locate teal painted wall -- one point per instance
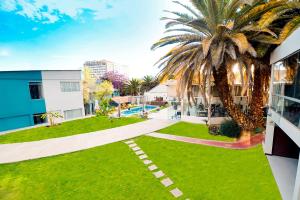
(16, 106)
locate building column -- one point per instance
(296, 195)
(268, 143)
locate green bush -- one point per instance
(213, 130)
(104, 108)
(230, 128)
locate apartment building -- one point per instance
(26, 95)
(282, 142)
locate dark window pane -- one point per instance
(292, 78)
(291, 112)
(35, 89)
(38, 120)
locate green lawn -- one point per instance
(193, 130)
(108, 172)
(210, 173)
(67, 129)
(114, 172)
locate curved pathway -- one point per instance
(16, 152)
(255, 140)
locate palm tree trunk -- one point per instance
(221, 81)
(256, 103)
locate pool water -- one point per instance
(137, 110)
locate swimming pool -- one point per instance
(137, 110)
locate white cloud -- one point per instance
(8, 5)
(50, 11)
(35, 28)
(4, 53)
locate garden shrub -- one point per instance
(230, 128)
(213, 130)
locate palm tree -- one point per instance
(133, 86)
(148, 83)
(216, 34)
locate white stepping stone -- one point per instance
(147, 162)
(152, 167)
(176, 192)
(136, 148)
(129, 142)
(132, 145)
(158, 174)
(167, 182)
(139, 152)
(143, 156)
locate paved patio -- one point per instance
(16, 152)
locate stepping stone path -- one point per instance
(136, 148)
(143, 156)
(132, 145)
(129, 142)
(176, 192)
(167, 182)
(147, 162)
(152, 167)
(158, 174)
(139, 152)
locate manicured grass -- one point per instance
(108, 172)
(67, 129)
(193, 130)
(114, 172)
(203, 172)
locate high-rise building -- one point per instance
(99, 68)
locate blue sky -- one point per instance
(52, 34)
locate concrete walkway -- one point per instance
(255, 140)
(16, 152)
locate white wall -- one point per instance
(152, 96)
(55, 99)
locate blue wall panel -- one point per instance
(16, 105)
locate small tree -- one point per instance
(51, 116)
(103, 93)
(118, 80)
(104, 107)
(104, 90)
(88, 85)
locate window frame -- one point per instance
(70, 87)
(41, 90)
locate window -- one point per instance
(70, 86)
(286, 81)
(38, 120)
(35, 89)
(71, 114)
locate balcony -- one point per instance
(287, 107)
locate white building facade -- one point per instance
(282, 142)
(62, 92)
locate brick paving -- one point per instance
(254, 141)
